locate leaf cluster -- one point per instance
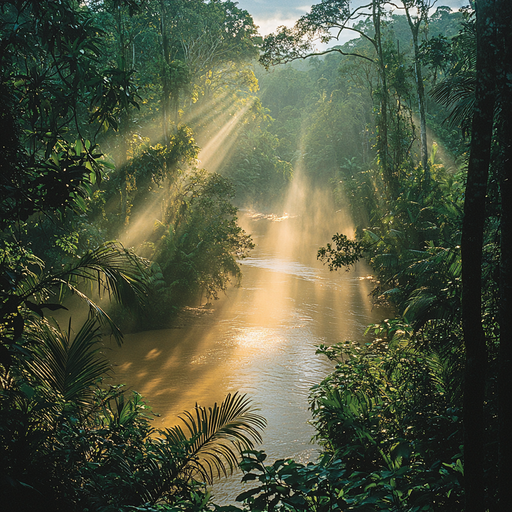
(345, 252)
(49, 77)
(286, 485)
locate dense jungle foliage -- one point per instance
(109, 108)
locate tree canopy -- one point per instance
(108, 111)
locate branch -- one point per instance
(341, 52)
(290, 44)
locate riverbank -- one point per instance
(192, 316)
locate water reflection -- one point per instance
(261, 338)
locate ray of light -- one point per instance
(205, 111)
(142, 224)
(218, 148)
(213, 154)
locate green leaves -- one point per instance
(216, 436)
(345, 253)
(65, 365)
(286, 485)
(24, 293)
(51, 77)
(325, 15)
(197, 246)
(114, 93)
(284, 46)
(386, 413)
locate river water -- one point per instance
(259, 339)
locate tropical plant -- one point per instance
(24, 291)
(213, 433)
(66, 369)
(287, 485)
(392, 407)
(112, 459)
(195, 249)
(456, 90)
(46, 375)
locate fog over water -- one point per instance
(260, 338)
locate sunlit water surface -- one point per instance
(260, 339)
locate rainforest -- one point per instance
(254, 268)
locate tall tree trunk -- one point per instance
(124, 121)
(471, 247)
(388, 170)
(423, 120)
(166, 86)
(504, 73)
(123, 190)
(420, 89)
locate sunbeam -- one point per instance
(214, 153)
(142, 224)
(205, 111)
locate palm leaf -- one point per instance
(458, 94)
(217, 435)
(68, 367)
(114, 270)
(434, 297)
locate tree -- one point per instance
(422, 11)
(327, 21)
(471, 249)
(198, 243)
(198, 39)
(49, 77)
(504, 85)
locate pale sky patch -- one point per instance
(268, 25)
(270, 14)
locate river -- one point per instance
(260, 338)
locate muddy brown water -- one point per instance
(259, 339)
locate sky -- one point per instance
(269, 14)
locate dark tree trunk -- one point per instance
(420, 90)
(388, 170)
(471, 247)
(124, 120)
(423, 115)
(504, 73)
(166, 86)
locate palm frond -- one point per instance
(458, 94)
(114, 270)
(98, 313)
(217, 435)
(65, 366)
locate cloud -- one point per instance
(270, 14)
(266, 25)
